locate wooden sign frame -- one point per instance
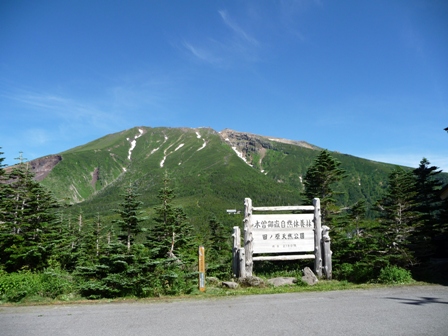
(282, 233)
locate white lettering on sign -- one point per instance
(282, 233)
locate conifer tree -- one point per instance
(443, 229)
(90, 243)
(28, 221)
(319, 181)
(219, 236)
(2, 171)
(130, 213)
(3, 178)
(398, 218)
(118, 267)
(429, 204)
(354, 244)
(3, 210)
(219, 252)
(171, 234)
(66, 242)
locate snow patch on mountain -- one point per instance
(134, 143)
(165, 153)
(156, 149)
(203, 146)
(240, 154)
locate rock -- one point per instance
(252, 281)
(309, 277)
(212, 280)
(230, 284)
(41, 167)
(282, 281)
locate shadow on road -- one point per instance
(418, 302)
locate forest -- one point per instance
(48, 248)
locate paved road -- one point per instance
(407, 311)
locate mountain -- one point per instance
(210, 171)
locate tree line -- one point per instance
(410, 226)
(105, 259)
(123, 257)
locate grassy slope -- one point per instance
(207, 181)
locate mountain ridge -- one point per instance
(211, 170)
(43, 165)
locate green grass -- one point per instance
(211, 292)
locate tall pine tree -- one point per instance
(398, 218)
(319, 181)
(29, 222)
(429, 205)
(218, 250)
(131, 217)
(171, 234)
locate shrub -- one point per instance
(395, 275)
(357, 272)
(14, 287)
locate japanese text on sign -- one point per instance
(282, 233)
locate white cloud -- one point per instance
(235, 44)
(66, 109)
(204, 54)
(240, 33)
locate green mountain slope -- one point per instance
(210, 171)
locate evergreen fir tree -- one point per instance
(130, 217)
(66, 242)
(2, 171)
(219, 250)
(441, 241)
(118, 273)
(354, 244)
(398, 218)
(219, 237)
(92, 242)
(319, 181)
(28, 221)
(429, 205)
(3, 208)
(171, 234)
(357, 216)
(3, 186)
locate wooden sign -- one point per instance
(282, 233)
(279, 235)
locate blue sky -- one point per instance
(366, 78)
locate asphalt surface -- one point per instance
(421, 310)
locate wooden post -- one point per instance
(235, 251)
(327, 252)
(242, 263)
(248, 239)
(201, 269)
(317, 238)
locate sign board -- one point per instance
(277, 234)
(285, 234)
(282, 233)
